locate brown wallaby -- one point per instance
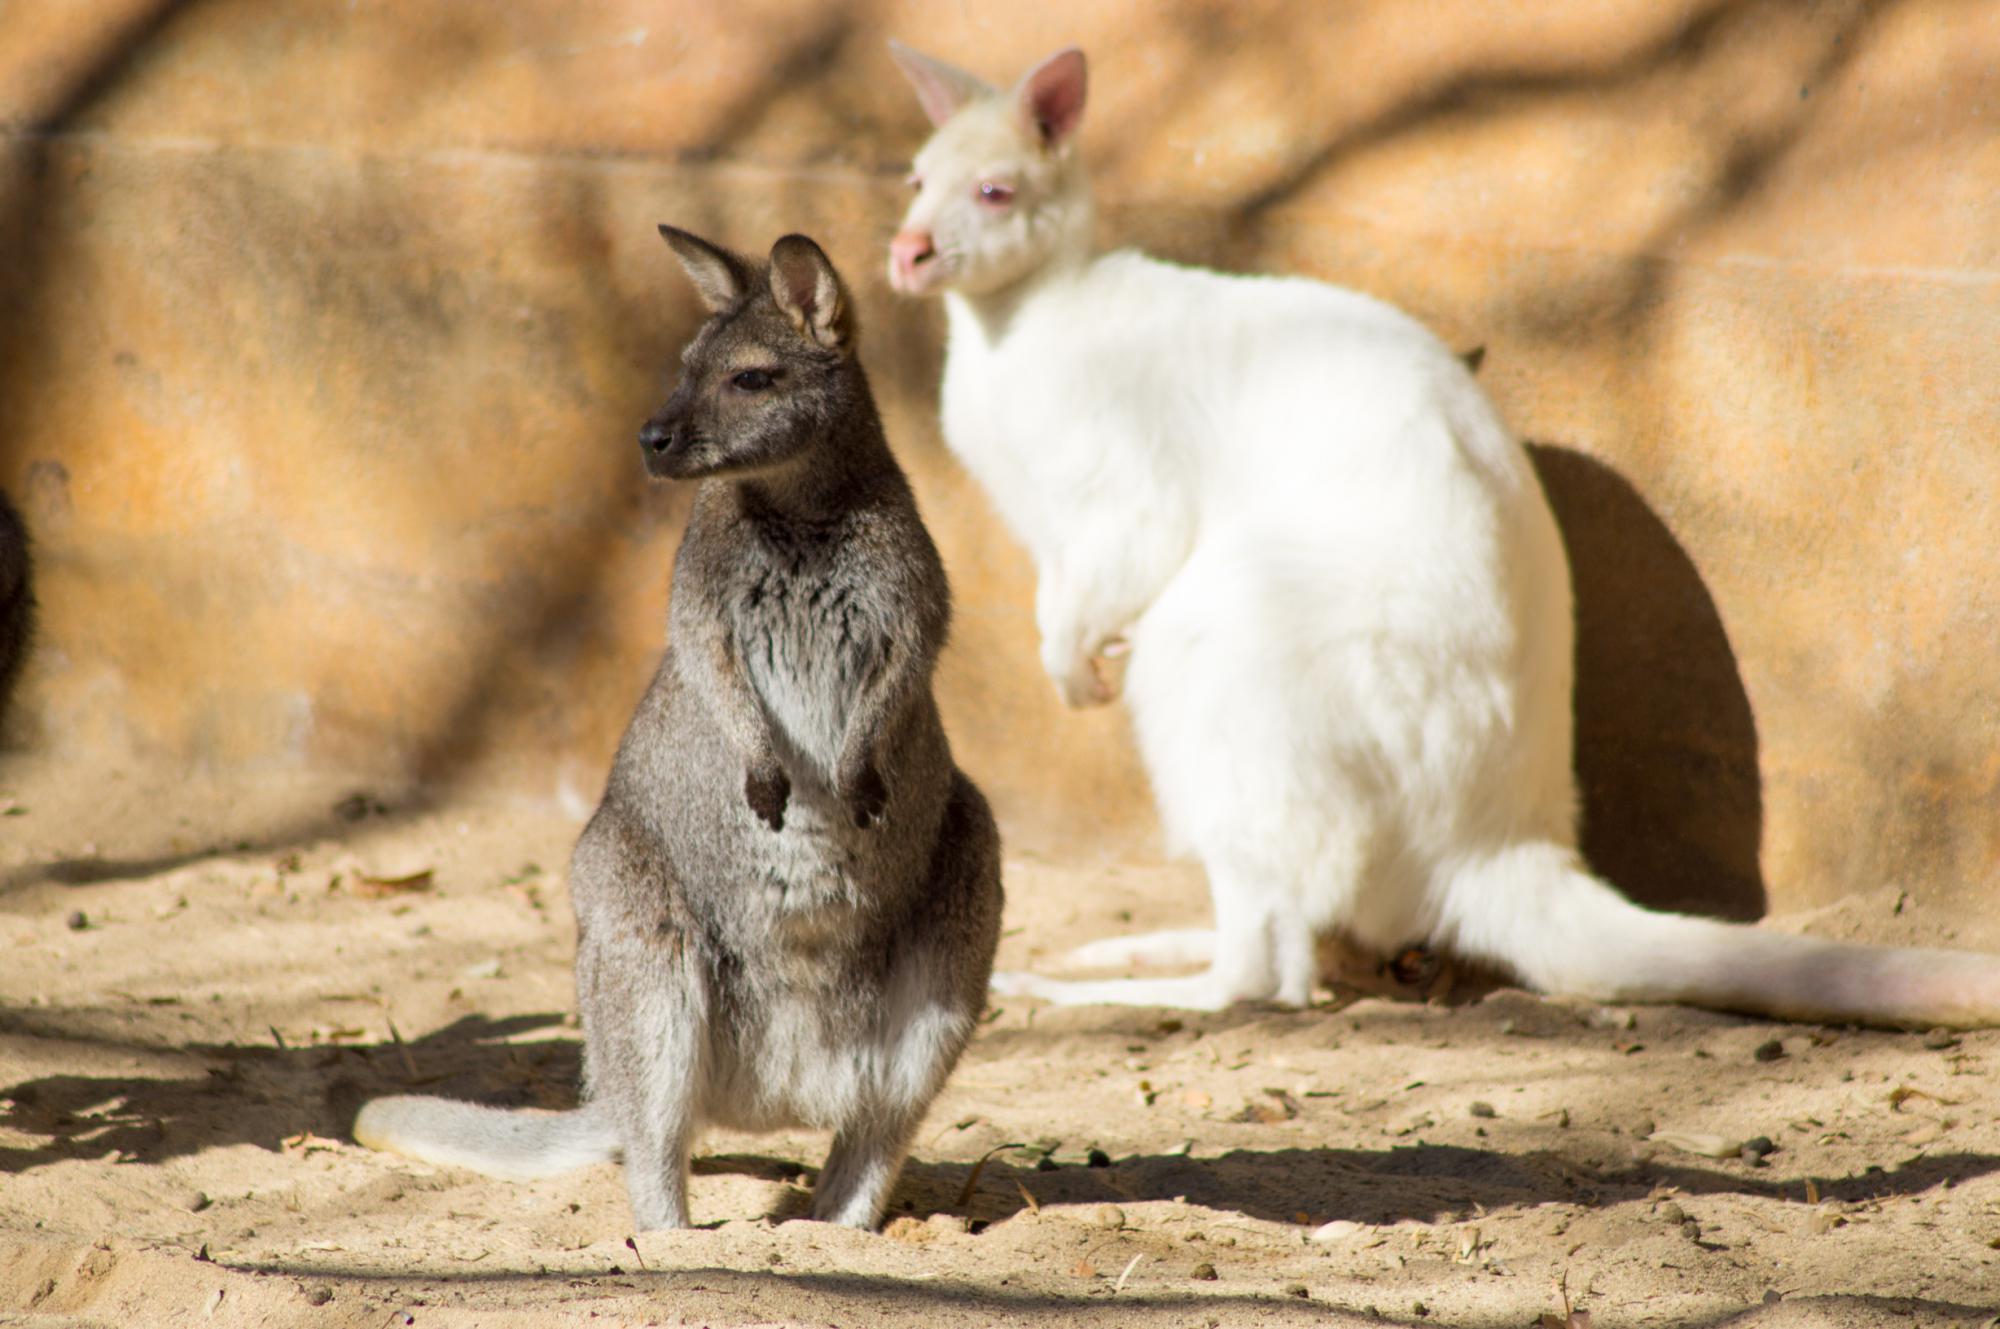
(17, 600)
(788, 901)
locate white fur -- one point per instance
(1347, 603)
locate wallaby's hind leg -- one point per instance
(658, 1114)
(1263, 952)
(642, 1022)
(1163, 950)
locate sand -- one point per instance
(189, 1015)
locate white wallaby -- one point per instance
(1344, 595)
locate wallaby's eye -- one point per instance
(752, 380)
(994, 194)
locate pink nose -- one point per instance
(910, 250)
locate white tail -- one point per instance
(1537, 912)
(514, 1144)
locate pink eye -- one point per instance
(915, 182)
(995, 195)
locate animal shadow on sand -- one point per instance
(265, 1095)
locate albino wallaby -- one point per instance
(17, 599)
(788, 900)
(1345, 599)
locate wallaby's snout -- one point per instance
(665, 439)
(912, 260)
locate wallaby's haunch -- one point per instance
(1346, 601)
(788, 900)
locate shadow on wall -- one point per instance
(1666, 746)
(24, 190)
(17, 603)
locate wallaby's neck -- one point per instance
(993, 312)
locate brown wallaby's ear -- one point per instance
(807, 288)
(1051, 96)
(941, 88)
(719, 276)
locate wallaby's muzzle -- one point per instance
(665, 445)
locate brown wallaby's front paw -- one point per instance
(867, 798)
(768, 791)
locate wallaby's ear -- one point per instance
(810, 293)
(719, 276)
(1051, 96)
(941, 88)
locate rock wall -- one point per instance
(325, 329)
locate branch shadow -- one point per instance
(27, 187)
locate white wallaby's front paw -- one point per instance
(1081, 682)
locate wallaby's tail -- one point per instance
(519, 1145)
(1534, 910)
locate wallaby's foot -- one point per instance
(656, 1213)
(861, 1168)
(1160, 950)
(1196, 992)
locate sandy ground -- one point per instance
(186, 1027)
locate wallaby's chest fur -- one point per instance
(809, 628)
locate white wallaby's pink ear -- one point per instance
(810, 293)
(1051, 96)
(941, 88)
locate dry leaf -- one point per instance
(1262, 1114)
(1084, 1269)
(1034, 1205)
(305, 1142)
(1340, 1229)
(1695, 1142)
(1903, 1093)
(376, 888)
(972, 1178)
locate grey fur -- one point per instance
(788, 901)
(17, 599)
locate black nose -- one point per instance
(656, 437)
